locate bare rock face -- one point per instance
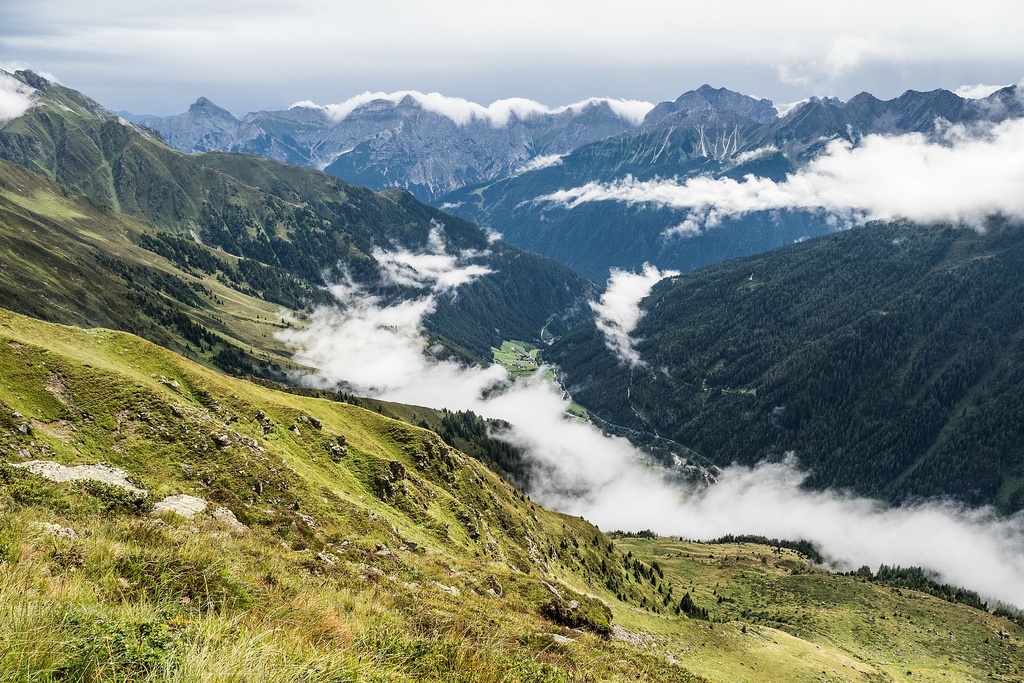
(182, 504)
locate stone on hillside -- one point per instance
(226, 518)
(182, 504)
(100, 472)
(57, 530)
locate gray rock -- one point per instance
(182, 504)
(226, 518)
(100, 472)
(57, 530)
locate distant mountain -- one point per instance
(427, 144)
(297, 221)
(706, 132)
(888, 360)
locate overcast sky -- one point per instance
(158, 56)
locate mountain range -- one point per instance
(427, 144)
(495, 165)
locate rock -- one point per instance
(560, 639)
(554, 591)
(452, 590)
(57, 530)
(171, 383)
(182, 504)
(222, 440)
(631, 637)
(100, 472)
(226, 518)
(307, 520)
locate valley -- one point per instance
(349, 436)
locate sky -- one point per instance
(158, 57)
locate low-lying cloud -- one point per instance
(433, 267)
(16, 98)
(959, 175)
(978, 91)
(618, 310)
(497, 114)
(544, 161)
(375, 348)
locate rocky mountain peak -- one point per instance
(205, 107)
(709, 102)
(31, 78)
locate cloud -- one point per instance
(16, 98)
(432, 267)
(618, 311)
(540, 162)
(377, 349)
(978, 91)
(497, 114)
(744, 157)
(960, 175)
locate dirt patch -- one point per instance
(61, 430)
(58, 386)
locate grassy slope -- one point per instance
(859, 629)
(66, 259)
(342, 603)
(346, 573)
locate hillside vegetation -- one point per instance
(339, 544)
(887, 359)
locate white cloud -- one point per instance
(978, 91)
(618, 311)
(784, 110)
(463, 112)
(16, 98)
(744, 157)
(963, 177)
(540, 162)
(432, 267)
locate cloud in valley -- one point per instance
(544, 161)
(375, 348)
(618, 310)
(432, 267)
(959, 175)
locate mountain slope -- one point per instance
(886, 359)
(67, 259)
(317, 228)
